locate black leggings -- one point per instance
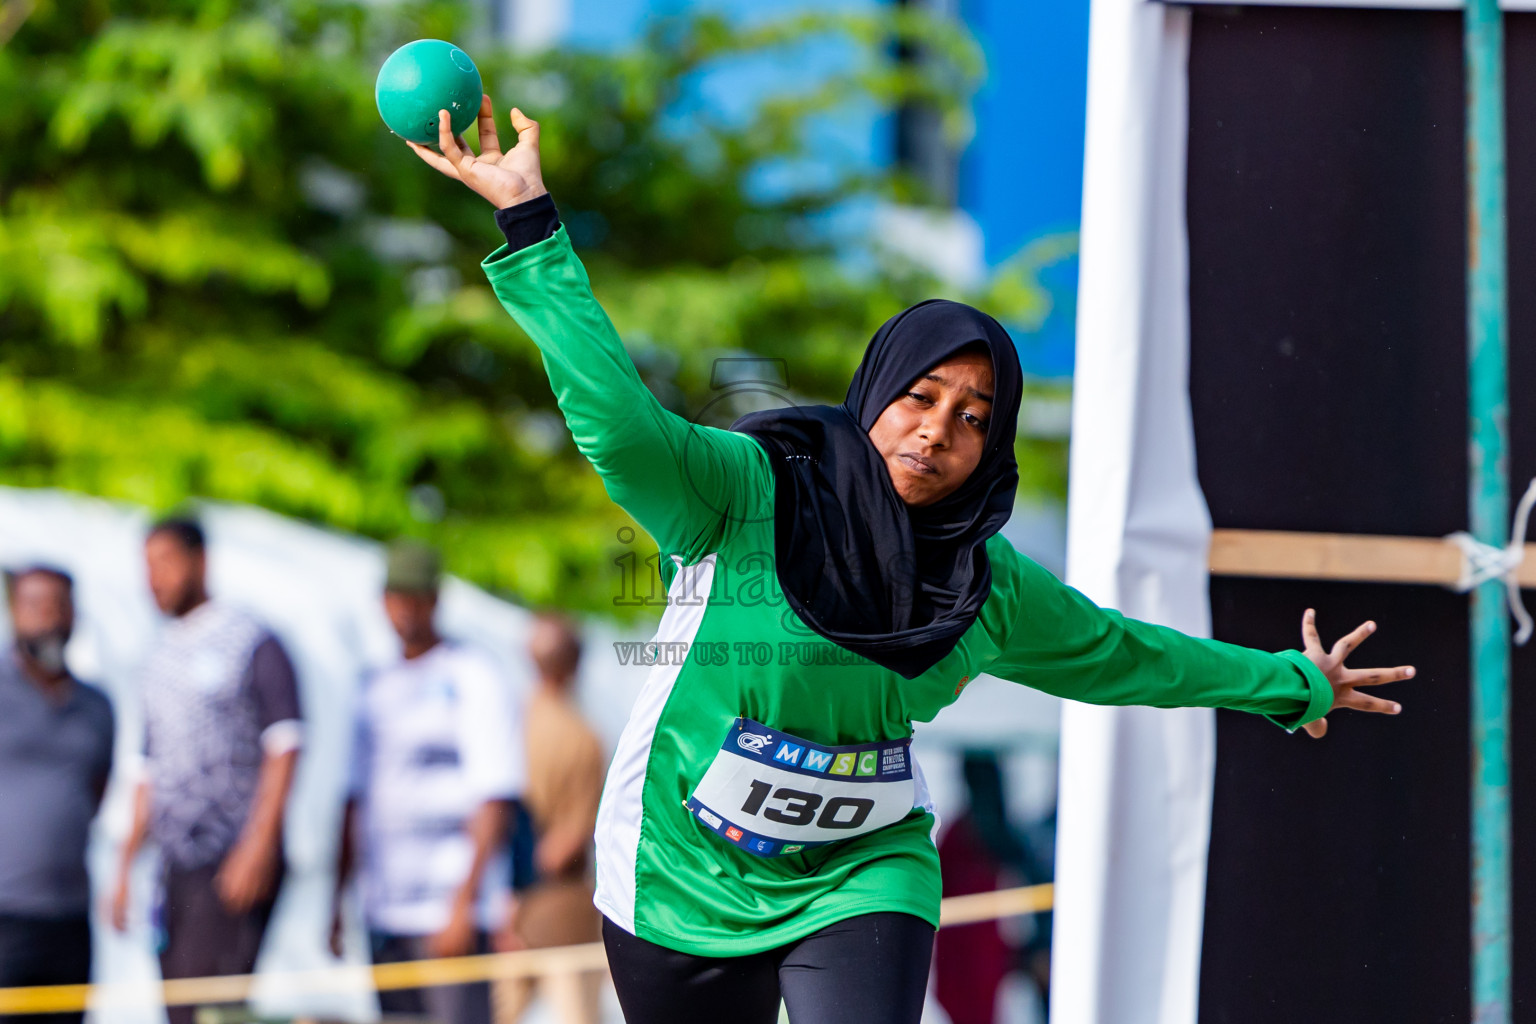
(872, 969)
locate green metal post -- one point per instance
(1488, 406)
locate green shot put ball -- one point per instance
(421, 78)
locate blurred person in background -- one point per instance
(223, 732)
(565, 779)
(55, 755)
(981, 851)
(436, 763)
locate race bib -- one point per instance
(773, 794)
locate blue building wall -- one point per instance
(1022, 178)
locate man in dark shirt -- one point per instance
(55, 756)
(222, 739)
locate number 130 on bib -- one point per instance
(772, 793)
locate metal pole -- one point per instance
(1488, 407)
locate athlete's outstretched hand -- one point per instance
(1345, 680)
(505, 179)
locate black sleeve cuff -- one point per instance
(529, 223)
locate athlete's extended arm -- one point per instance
(1065, 644)
(684, 483)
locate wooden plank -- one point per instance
(1359, 558)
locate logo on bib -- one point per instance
(817, 760)
(788, 752)
(754, 742)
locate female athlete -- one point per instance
(834, 575)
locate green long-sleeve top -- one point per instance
(729, 649)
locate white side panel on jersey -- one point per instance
(618, 816)
(923, 800)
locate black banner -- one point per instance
(1327, 226)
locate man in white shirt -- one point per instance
(437, 761)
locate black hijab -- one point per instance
(894, 584)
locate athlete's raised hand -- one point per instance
(505, 179)
(1346, 680)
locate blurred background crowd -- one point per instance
(224, 286)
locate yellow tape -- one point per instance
(989, 906)
(236, 988)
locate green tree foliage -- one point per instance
(221, 277)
